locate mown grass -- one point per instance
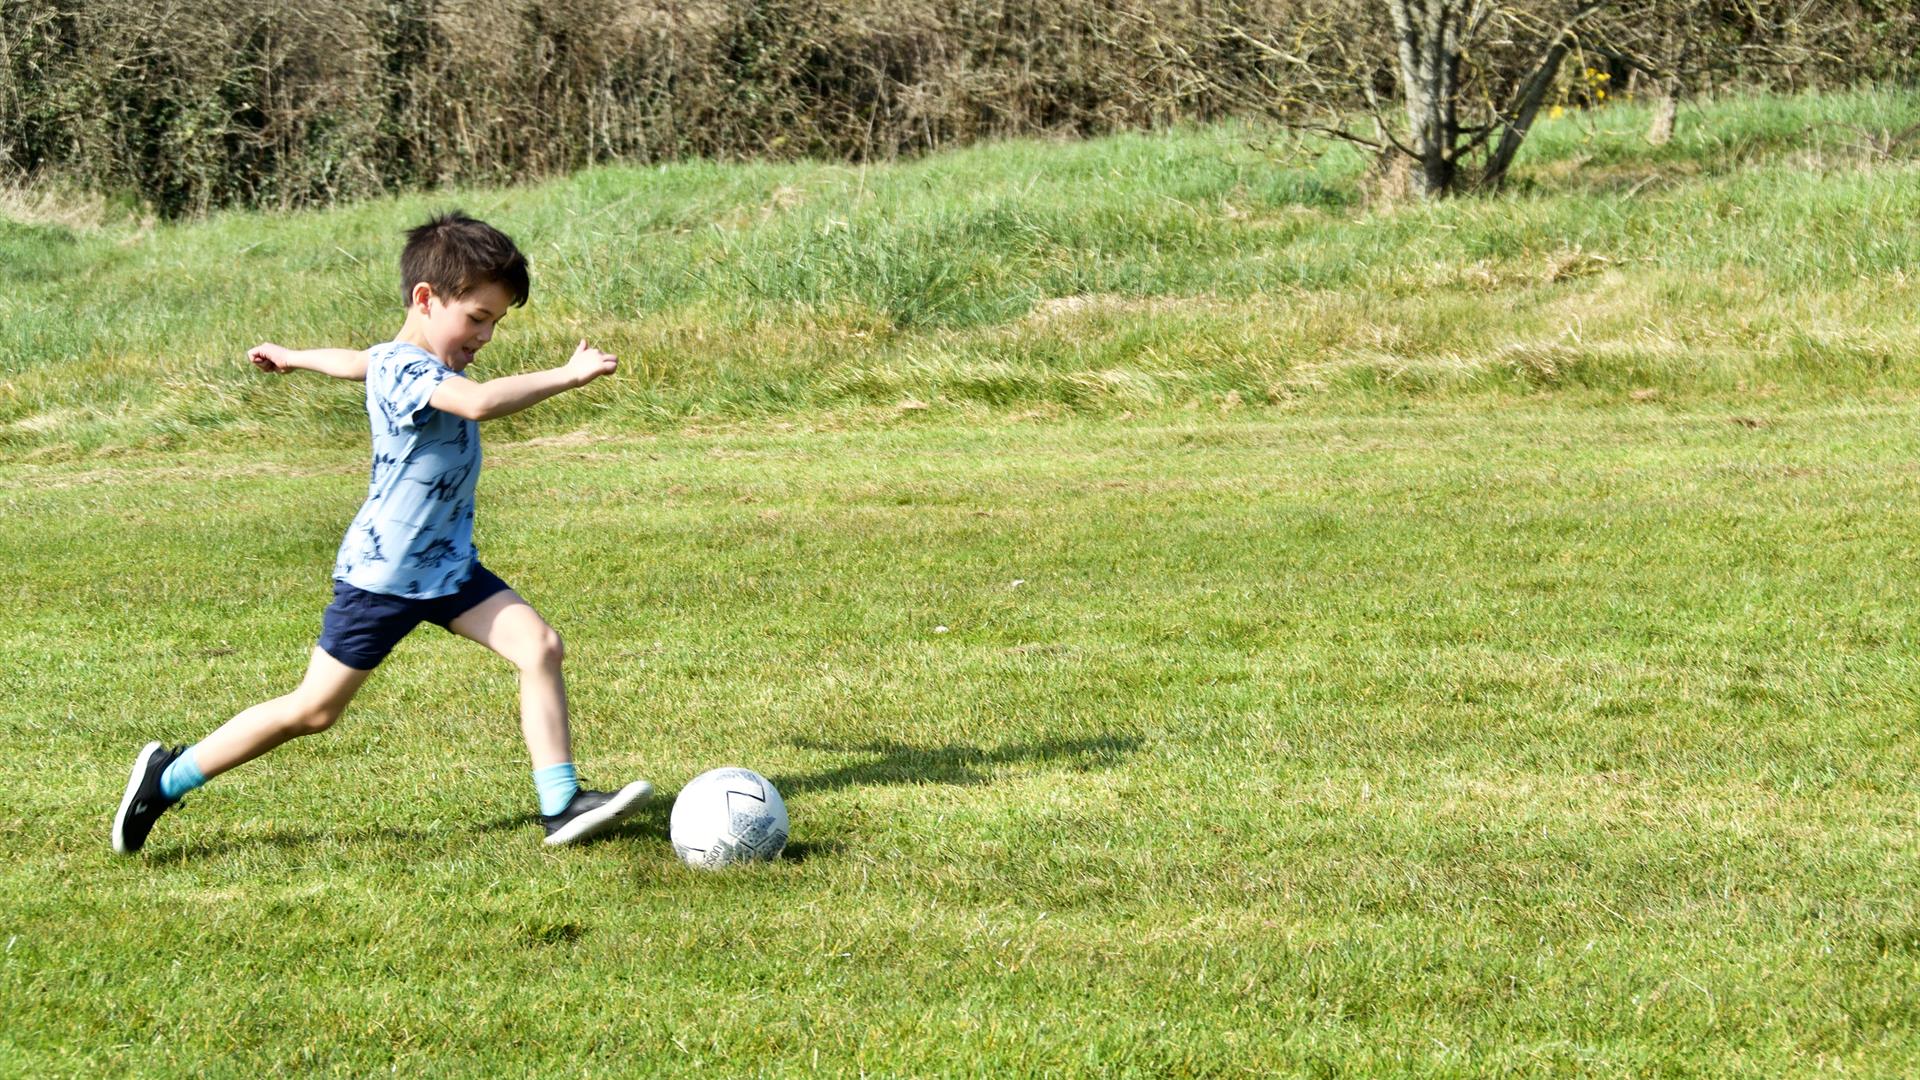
(1769, 244)
(1294, 638)
(1466, 740)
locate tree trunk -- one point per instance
(1429, 34)
(1665, 109)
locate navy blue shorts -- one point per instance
(360, 628)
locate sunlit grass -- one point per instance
(1454, 740)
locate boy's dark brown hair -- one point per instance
(455, 254)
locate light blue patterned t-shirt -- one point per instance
(413, 536)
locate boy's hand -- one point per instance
(271, 358)
(589, 364)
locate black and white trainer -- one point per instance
(143, 803)
(590, 812)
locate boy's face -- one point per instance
(458, 328)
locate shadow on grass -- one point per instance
(892, 762)
(300, 839)
(955, 763)
(801, 850)
(649, 824)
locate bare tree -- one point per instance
(1449, 89)
(1472, 76)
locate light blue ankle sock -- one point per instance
(182, 775)
(556, 785)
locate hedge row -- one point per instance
(195, 104)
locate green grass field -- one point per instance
(1414, 641)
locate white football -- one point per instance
(727, 816)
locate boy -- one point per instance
(408, 556)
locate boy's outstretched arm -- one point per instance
(508, 395)
(339, 363)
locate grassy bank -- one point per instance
(1767, 248)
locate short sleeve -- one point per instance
(412, 377)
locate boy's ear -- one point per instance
(422, 292)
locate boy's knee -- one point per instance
(314, 719)
(547, 650)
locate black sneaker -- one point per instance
(143, 804)
(590, 812)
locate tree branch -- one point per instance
(1528, 99)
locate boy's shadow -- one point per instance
(650, 822)
(896, 762)
(893, 762)
(305, 840)
(650, 825)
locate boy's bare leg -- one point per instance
(509, 626)
(318, 701)
(313, 707)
